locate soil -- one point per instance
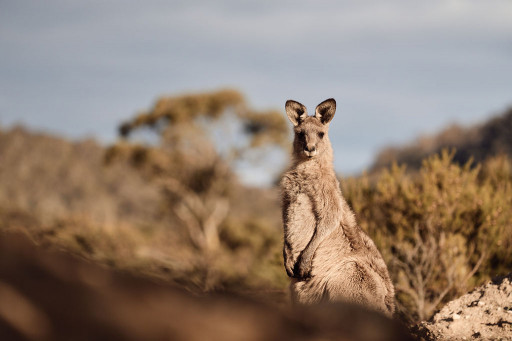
(482, 314)
(50, 295)
(47, 294)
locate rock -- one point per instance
(487, 312)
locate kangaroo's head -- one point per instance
(311, 139)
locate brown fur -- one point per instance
(327, 255)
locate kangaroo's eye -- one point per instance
(321, 135)
(302, 134)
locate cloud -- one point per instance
(397, 68)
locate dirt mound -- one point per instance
(482, 314)
(50, 295)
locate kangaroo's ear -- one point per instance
(296, 112)
(325, 110)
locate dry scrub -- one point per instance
(442, 231)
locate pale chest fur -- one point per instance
(307, 194)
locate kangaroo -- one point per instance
(326, 254)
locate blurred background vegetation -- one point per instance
(165, 201)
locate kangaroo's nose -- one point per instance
(310, 148)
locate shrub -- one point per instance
(441, 230)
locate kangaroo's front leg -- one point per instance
(327, 209)
(304, 264)
(289, 260)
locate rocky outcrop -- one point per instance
(482, 314)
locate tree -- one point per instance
(191, 164)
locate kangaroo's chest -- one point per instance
(300, 218)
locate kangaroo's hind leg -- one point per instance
(309, 291)
(357, 283)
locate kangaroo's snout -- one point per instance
(310, 151)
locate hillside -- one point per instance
(477, 142)
(441, 231)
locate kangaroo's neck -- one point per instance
(320, 171)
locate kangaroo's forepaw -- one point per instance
(289, 266)
(302, 269)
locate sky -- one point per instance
(397, 69)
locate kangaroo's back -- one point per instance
(326, 253)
